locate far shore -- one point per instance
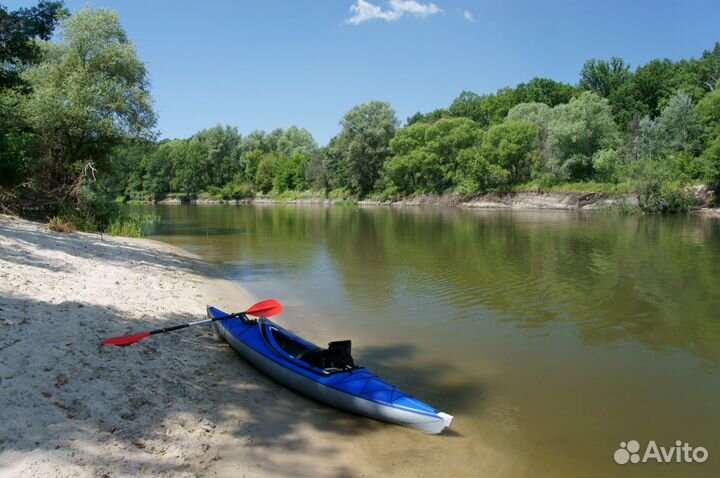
(181, 404)
(525, 200)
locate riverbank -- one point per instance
(704, 199)
(178, 405)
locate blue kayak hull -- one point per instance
(358, 390)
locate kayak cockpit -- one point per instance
(336, 358)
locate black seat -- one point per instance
(336, 356)
(340, 355)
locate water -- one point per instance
(551, 336)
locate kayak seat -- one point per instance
(340, 354)
(337, 356)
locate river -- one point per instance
(552, 337)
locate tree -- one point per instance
(222, 146)
(540, 115)
(577, 131)
(484, 110)
(711, 157)
(89, 94)
(709, 68)
(18, 29)
(708, 110)
(296, 140)
(678, 124)
(511, 147)
(604, 77)
(544, 90)
(673, 131)
(428, 158)
(190, 172)
(266, 170)
(362, 145)
(158, 167)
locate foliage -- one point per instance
(510, 150)
(576, 131)
(604, 77)
(362, 146)
(18, 29)
(429, 158)
(711, 157)
(88, 95)
(708, 110)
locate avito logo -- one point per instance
(680, 453)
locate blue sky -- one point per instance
(262, 64)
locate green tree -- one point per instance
(296, 140)
(362, 145)
(88, 95)
(708, 110)
(708, 68)
(190, 172)
(604, 77)
(678, 124)
(223, 160)
(484, 110)
(579, 129)
(511, 148)
(429, 158)
(266, 171)
(18, 29)
(675, 130)
(545, 91)
(158, 169)
(711, 157)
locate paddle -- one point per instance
(266, 308)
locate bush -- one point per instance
(662, 196)
(238, 190)
(605, 163)
(577, 167)
(547, 181)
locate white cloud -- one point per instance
(363, 11)
(467, 15)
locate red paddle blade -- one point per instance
(266, 308)
(125, 340)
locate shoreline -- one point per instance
(525, 200)
(182, 404)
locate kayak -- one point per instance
(326, 375)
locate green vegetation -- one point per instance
(78, 134)
(132, 225)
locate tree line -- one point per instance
(78, 129)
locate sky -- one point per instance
(266, 64)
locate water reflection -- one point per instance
(648, 279)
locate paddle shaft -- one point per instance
(192, 324)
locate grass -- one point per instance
(580, 187)
(295, 195)
(132, 225)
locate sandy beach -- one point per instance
(180, 405)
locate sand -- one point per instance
(183, 404)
